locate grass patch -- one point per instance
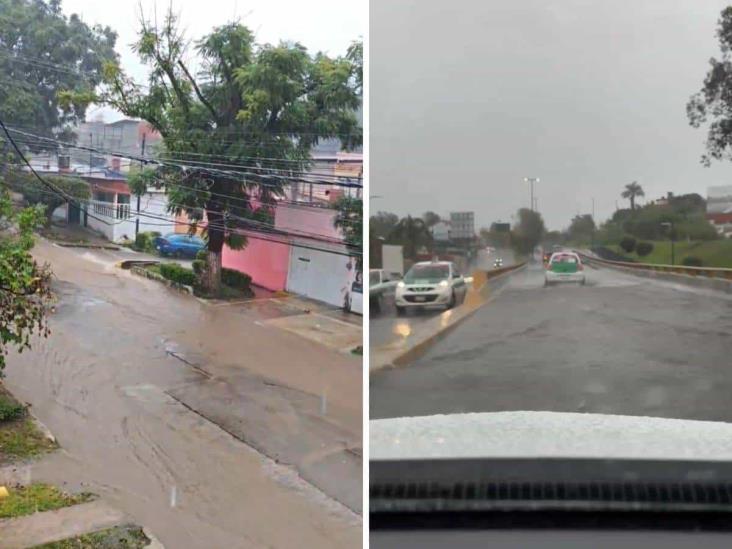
(119, 537)
(26, 500)
(713, 253)
(154, 268)
(19, 436)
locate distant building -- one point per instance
(462, 225)
(124, 136)
(441, 231)
(719, 208)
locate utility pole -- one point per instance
(531, 181)
(594, 223)
(142, 167)
(91, 144)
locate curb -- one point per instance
(421, 347)
(88, 246)
(154, 542)
(141, 271)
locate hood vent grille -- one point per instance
(522, 495)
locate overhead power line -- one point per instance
(184, 165)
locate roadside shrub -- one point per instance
(144, 241)
(692, 261)
(628, 244)
(198, 266)
(236, 279)
(643, 248)
(10, 410)
(178, 273)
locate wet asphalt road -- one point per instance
(144, 388)
(620, 345)
(385, 326)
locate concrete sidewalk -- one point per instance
(61, 524)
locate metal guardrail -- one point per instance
(705, 272)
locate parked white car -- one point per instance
(430, 284)
(564, 267)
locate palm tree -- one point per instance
(413, 234)
(632, 190)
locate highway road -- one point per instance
(620, 345)
(385, 326)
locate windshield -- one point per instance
(614, 299)
(427, 273)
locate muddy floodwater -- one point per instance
(203, 422)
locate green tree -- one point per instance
(349, 220)
(38, 44)
(413, 234)
(431, 218)
(36, 193)
(713, 103)
(260, 108)
(382, 224)
(527, 231)
(24, 285)
(631, 192)
(581, 228)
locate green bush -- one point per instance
(10, 410)
(236, 279)
(643, 248)
(198, 266)
(691, 261)
(144, 242)
(628, 244)
(178, 273)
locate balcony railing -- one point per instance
(109, 209)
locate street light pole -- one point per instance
(531, 181)
(142, 167)
(594, 224)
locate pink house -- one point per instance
(266, 262)
(269, 263)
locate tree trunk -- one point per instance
(211, 279)
(212, 274)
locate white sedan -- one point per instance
(430, 284)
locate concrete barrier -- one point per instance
(699, 277)
(420, 338)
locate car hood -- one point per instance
(548, 435)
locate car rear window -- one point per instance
(564, 258)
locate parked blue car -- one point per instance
(179, 245)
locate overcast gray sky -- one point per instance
(468, 98)
(320, 25)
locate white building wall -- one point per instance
(320, 275)
(118, 229)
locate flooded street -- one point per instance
(197, 419)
